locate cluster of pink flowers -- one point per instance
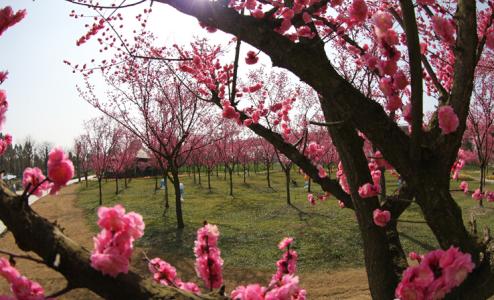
(114, 244)
(448, 120)
(36, 181)
(208, 256)
(463, 157)
(251, 58)
(21, 287)
(371, 189)
(340, 174)
(321, 197)
(477, 195)
(60, 169)
(284, 284)
(166, 274)
(93, 31)
(438, 272)
(8, 18)
(381, 217)
(444, 28)
(464, 186)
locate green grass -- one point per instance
(257, 218)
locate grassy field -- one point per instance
(257, 218)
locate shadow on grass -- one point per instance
(422, 244)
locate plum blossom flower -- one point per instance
(21, 287)
(34, 178)
(444, 28)
(114, 244)
(208, 263)
(8, 18)
(477, 195)
(358, 11)
(60, 169)
(286, 242)
(448, 120)
(311, 199)
(464, 186)
(250, 292)
(251, 58)
(438, 272)
(369, 190)
(381, 217)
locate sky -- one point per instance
(43, 100)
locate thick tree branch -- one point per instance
(414, 56)
(34, 233)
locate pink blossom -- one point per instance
(477, 195)
(444, 28)
(248, 122)
(287, 289)
(321, 172)
(358, 11)
(250, 292)
(311, 199)
(21, 287)
(438, 272)
(33, 177)
(251, 58)
(382, 21)
(414, 256)
(464, 186)
(286, 242)
(60, 169)
(188, 286)
(163, 272)
(489, 196)
(114, 244)
(369, 190)
(381, 217)
(208, 260)
(448, 120)
(306, 32)
(341, 204)
(8, 18)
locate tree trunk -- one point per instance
(125, 181)
(309, 183)
(178, 202)
(165, 180)
(155, 184)
(482, 182)
(209, 178)
(287, 182)
(267, 175)
(100, 191)
(230, 172)
(194, 173)
(85, 175)
(224, 170)
(116, 184)
(217, 172)
(199, 173)
(245, 171)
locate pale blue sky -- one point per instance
(44, 103)
(41, 90)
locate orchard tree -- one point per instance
(480, 124)
(124, 155)
(102, 138)
(150, 100)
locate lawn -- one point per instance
(257, 218)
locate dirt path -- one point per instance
(344, 284)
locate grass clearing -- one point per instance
(257, 218)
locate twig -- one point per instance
(22, 256)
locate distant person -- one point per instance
(182, 192)
(14, 187)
